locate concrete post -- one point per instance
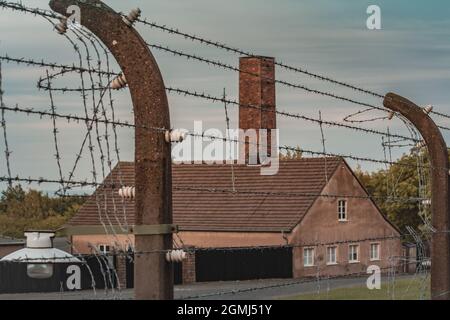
(153, 275)
(437, 150)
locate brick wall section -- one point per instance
(321, 225)
(189, 269)
(257, 88)
(121, 270)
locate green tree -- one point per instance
(21, 210)
(396, 190)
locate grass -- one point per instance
(400, 289)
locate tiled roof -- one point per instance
(219, 211)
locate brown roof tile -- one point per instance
(218, 211)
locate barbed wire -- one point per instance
(216, 99)
(3, 125)
(17, 6)
(46, 13)
(286, 148)
(217, 44)
(282, 82)
(118, 186)
(225, 47)
(52, 65)
(99, 141)
(279, 285)
(298, 116)
(192, 250)
(55, 132)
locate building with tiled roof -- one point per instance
(312, 216)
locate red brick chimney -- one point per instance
(257, 89)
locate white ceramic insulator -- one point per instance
(428, 109)
(175, 256)
(175, 136)
(391, 115)
(183, 255)
(132, 17)
(119, 82)
(127, 192)
(61, 26)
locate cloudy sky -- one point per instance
(409, 56)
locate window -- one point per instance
(342, 210)
(332, 255)
(374, 251)
(308, 257)
(104, 249)
(353, 253)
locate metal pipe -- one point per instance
(153, 274)
(439, 164)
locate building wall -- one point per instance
(86, 244)
(321, 225)
(83, 244)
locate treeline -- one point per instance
(400, 182)
(22, 210)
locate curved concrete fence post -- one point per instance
(439, 163)
(153, 275)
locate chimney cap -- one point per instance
(257, 57)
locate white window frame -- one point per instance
(331, 263)
(378, 258)
(345, 213)
(104, 251)
(307, 263)
(350, 258)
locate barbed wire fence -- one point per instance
(93, 81)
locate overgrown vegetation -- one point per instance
(400, 181)
(30, 209)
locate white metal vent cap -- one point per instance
(39, 239)
(49, 255)
(39, 249)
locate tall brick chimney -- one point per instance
(257, 88)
